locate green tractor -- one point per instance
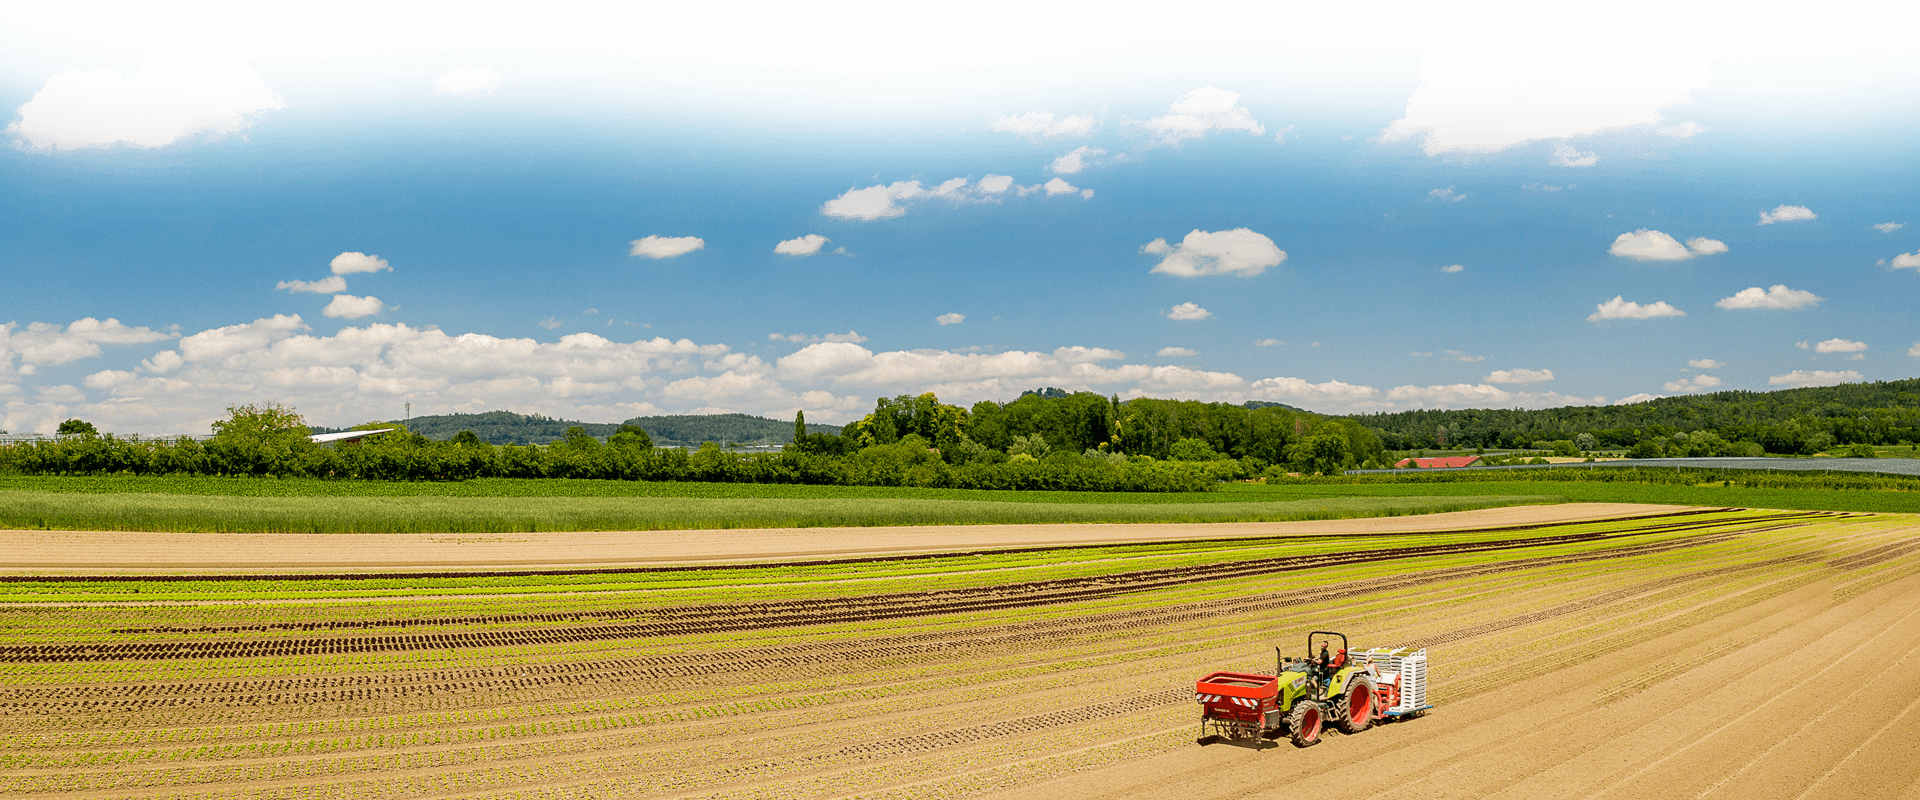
(1351, 689)
(1331, 686)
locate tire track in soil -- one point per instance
(745, 617)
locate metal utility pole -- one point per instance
(409, 410)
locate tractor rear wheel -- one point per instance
(1353, 711)
(1305, 722)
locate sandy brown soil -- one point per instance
(133, 551)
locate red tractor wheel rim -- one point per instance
(1359, 704)
(1310, 723)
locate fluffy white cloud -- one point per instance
(350, 263)
(1682, 130)
(1907, 260)
(659, 247)
(1564, 155)
(1778, 296)
(1202, 111)
(1637, 398)
(1487, 100)
(1058, 186)
(1693, 384)
(1621, 308)
(1652, 245)
(950, 319)
(1188, 311)
(1268, 343)
(1453, 268)
(1446, 194)
(1074, 160)
(1888, 227)
(804, 246)
(1704, 363)
(801, 338)
(468, 80)
(873, 202)
(1233, 252)
(1520, 376)
(1838, 345)
(1171, 352)
(995, 184)
(346, 306)
(48, 344)
(1785, 213)
(327, 285)
(1914, 350)
(1039, 124)
(168, 99)
(1819, 377)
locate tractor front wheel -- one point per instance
(1305, 722)
(1353, 712)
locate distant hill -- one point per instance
(738, 428)
(1253, 404)
(504, 427)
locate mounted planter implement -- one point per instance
(1347, 689)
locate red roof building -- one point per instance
(1441, 463)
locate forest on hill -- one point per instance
(693, 429)
(506, 427)
(1787, 422)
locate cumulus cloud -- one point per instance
(1651, 245)
(550, 323)
(1907, 260)
(48, 344)
(1201, 112)
(885, 201)
(1453, 268)
(1838, 345)
(1621, 308)
(1074, 160)
(1456, 355)
(950, 319)
(1058, 186)
(1778, 296)
(1446, 194)
(1914, 350)
(327, 285)
(1704, 363)
(168, 99)
(1171, 352)
(346, 306)
(1785, 213)
(1636, 398)
(1268, 343)
(1232, 252)
(1188, 311)
(1520, 376)
(995, 184)
(350, 263)
(804, 246)
(1888, 227)
(1819, 377)
(1682, 130)
(468, 80)
(1564, 155)
(1487, 100)
(801, 338)
(1693, 384)
(659, 247)
(1042, 124)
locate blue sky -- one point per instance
(600, 215)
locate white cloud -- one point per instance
(468, 80)
(1453, 268)
(1907, 260)
(1838, 345)
(1621, 308)
(1202, 111)
(347, 306)
(1545, 187)
(1786, 213)
(1703, 246)
(1704, 363)
(1637, 398)
(1058, 186)
(1888, 227)
(1445, 194)
(1074, 160)
(351, 262)
(1487, 100)
(950, 319)
(168, 99)
(1819, 377)
(1239, 251)
(550, 323)
(1520, 376)
(1280, 136)
(659, 247)
(873, 202)
(1779, 296)
(1039, 124)
(804, 246)
(1682, 130)
(1188, 311)
(995, 184)
(801, 338)
(327, 285)
(1649, 245)
(1171, 352)
(1564, 155)
(1693, 384)
(1268, 343)
(1914, 350)
(48, 344)
(1456, 355)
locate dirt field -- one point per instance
(1728, 654)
